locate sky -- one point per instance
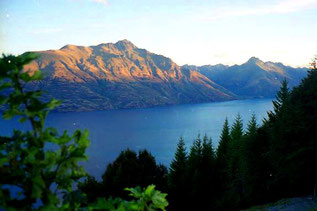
(197, 32)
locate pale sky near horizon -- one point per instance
(195, 32)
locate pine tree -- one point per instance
(178, 165)
(237, 129)
(206, 186)
(281, 101)
(247, 158)
(177, 178)
(222, 165)
(195, 153)
(234, 166)
(223, 143)
(208, 154)
(252, 126)
(194, 174)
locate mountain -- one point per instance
(253, 79)
(119, 75)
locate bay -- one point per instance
(155, 129)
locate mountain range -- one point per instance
(121, 75)
(253, 79)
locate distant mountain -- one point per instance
(120, 75)
(253, 79)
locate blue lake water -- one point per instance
(154, 129)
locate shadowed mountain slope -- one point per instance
(254, 78)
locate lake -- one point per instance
(155, 129)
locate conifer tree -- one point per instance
(223, 143)
(234, 164)
(208, 154)
(177, 178)
(194, 173)
(222, 164)
(178, 165)
(247, 157)
(252, 126)
(237, 129)
(195, 153)
(282, 98)
(207, 184)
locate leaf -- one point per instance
(5, 85)
(25, 77)
(3, 100)
(23, 119)
(53, 103)
(37, 186)
(8, 114)
(37, 75)
(149, 190)
(102, 204)
(3, 161)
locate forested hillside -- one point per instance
(263, 163)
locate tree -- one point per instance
(237, 129)
(207, 184)
(145, 199)
(131, 169)
(39, 168)
(178, 164)
(294, 138)
(195, 153)
(200, 174)
(252, 126)
(235, 162)
(92, 189)
(208, 154)
(222, 150)
(281, 101)
(177, 180)
(222, 165)
(37, 174)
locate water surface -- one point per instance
(154, 129)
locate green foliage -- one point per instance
(208, 154)
(128, 170)
(27, 163)
(237, 129)
(252, 126)
(293, 140)
(177, 180)
(277, 159)
(147, 199)
(191, 179)
(178, 165)
(195, 153)
(235, 145)
(223, 142)
(281, 101)
(39, 168)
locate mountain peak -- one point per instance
(253, 60)
(68, 46)
(125, 45)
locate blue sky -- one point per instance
(188, 31)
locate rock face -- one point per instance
(120, 75)
(253, 79)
